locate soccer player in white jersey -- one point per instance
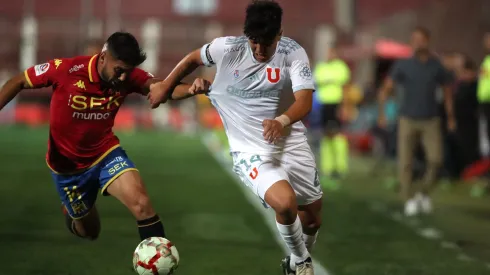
(263, 122)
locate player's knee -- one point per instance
(284, 204)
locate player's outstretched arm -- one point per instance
(183, 90)
(12, 88)
(163, 91)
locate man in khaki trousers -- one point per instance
(419, 77)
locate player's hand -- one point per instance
(158, 93)
(272, 130)
(200, 86)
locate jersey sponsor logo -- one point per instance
(91, 116)
(57, 63)
(305, 71)
(118, 167)
(116, 159)
(235, 49)
(41, 69)
(89, 108)
(76, 68)
(253, 93)
(81, 102)
(273, 75)
(80, 84)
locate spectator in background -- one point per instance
(419, 77)
(484, 84)
(466, 114)
(331, 78)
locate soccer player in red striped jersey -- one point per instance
(83, 154)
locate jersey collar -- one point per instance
(93, 75)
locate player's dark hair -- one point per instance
(124, 46)
(422, 30)
(263, 21)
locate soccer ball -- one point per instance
(155, 256)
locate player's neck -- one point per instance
(98, 68)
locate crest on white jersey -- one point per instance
(41, 69)
(273, 74)
(305, 72)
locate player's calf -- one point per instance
(87, 227)
(282, 198)
(129, 189)
(311, 220)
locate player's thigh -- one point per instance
(260, 173)
(301, 168)
(120, 179)
(78, 193)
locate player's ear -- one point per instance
(103, 57)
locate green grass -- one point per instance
(205, 214)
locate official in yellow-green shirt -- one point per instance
(484, 84)
(331, 77)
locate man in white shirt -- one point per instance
(263, 122)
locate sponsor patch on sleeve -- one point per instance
(41, 69)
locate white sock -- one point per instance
(310, 241)
(292, 235)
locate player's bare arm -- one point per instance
(12, 88)
(185, 67)
(182, 90)
(273, 128)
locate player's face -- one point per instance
(420, 42)
(265, 50)
(114, 72)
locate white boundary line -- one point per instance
(268, 216)
(429, 233)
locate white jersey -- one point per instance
(245, 92)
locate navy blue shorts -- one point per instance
(78, 192)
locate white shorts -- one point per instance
(298, 167)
